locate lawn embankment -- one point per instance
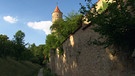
(10, 67)
(47, 72)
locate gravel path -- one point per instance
(40, 73)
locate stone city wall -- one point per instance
(82, 58)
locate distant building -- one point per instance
(57, 14)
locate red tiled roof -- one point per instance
(57, 9)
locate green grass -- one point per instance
(10, 67)
(47, 72)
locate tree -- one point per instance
(19, 44)
(6, 47)
(61, 29)
(3, 45)
(38, 53)
(16, 49)
(52, 42)
(41, 53)
(116, 24)
(19, 37)
(64, 27)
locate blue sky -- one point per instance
(33, 17)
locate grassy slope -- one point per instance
(10, 67)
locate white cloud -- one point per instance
(42, 25)
(10, 19)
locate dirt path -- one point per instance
(40, 73)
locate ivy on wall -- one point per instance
(116, 24)
(61, 29)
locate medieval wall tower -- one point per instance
(57, 14)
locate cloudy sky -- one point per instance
(33, 17)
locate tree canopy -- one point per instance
(19, 37)
(64, 27)
(116, 23)
(17, 49)
(61, 29)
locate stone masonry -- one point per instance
(82, 58)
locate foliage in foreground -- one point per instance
(116, 23)
(61, 29)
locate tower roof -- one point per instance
(57, 9)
